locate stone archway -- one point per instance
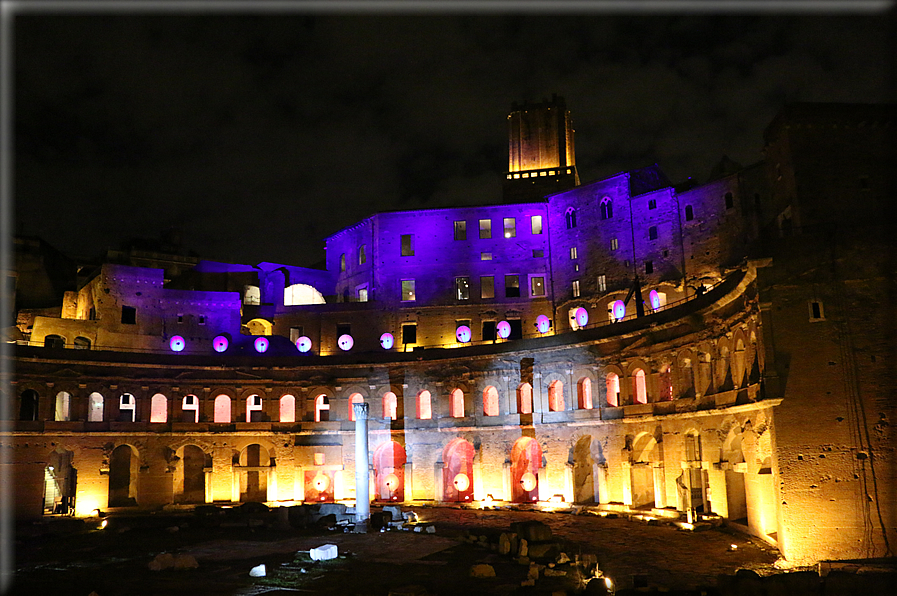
(60, 483)
(646, 473)
(123, 466)
(457, 471)
(526, 460)
(389, 470)
(255, 463)
(190, 475)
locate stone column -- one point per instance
(362, 474)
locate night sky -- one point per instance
(258, 134)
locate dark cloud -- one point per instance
(257, 135)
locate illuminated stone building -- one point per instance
(714, 349)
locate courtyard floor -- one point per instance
(65, 556)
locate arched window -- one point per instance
(54, 341)
(490, 401)
(355, 398)
(584, 393)
(127, 408)
(570, 218)
(556, 396)
(689, 213)
(28, 405)
(252, 295)
(190, 409)
(63, 406)
(298, 294)
(389, 405)
(322, 408)
(362, 256)
(524, 398)
(424, 409)
(607, 208)
(288, 408)
(159, 408)
(342, 262)
(95, 407)
(222, 409)
(82, 343)
(613, 390)
(254, 411)
(457, 398)
(639, 388)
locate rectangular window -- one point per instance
(816, 311)
(538, 253)
(573, 254)
(460, 230)
(462, 288)
(512, 286)
(487, 286)
(407, 245)
(485, 228)
(409, 333)
(652, 233)
(510, 227)
(489, 331)
(485, 256)
(649, 267)
(576, 288)
(602, 283)
(129, 315)
(180, 318)
(614, 244)
(202, 319)
(537, 286)
(408, 290)
(536, 222)
(361, 293)
(652, 203)
(296, 333)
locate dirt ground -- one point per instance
(66, 556)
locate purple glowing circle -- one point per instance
(177, 344)
(345, 342)
(463, 334)
(654, 299)
(618, 310)
(261, 344)
(220, 343)
(543, 324)
(303, 344)
(504, 329)
(387, 341)
(582, 317)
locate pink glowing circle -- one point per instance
(261, 344)
(543, 324)
(177, 344)
(582, 316)
(618, 310)
(387, 341)
(345, 342)
(654, 299)
(303, 344)
(220, 343)
(504, 329)
(528, 481)
(463, 334)
(322, 482)
(461, 482)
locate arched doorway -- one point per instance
(255, 462)
(60, 483)
(736, 493)
(526, 459)
(191, 477)
(457, 471)
(123, 466)
(646, 473)
(389, 470)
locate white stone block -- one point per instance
(323, 552)
(257, 571)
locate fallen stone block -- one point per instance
(523, 551)
(543, 550)
(324, 552)
(430, 529)
(522, 560)
(528, 582)
(562, 558)
(534, 570)
(161, 561)
(555, 573)
(185, 562)
(258, 571)
(394, 511)
(482, 571)
(504, 544)
(532, 531)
